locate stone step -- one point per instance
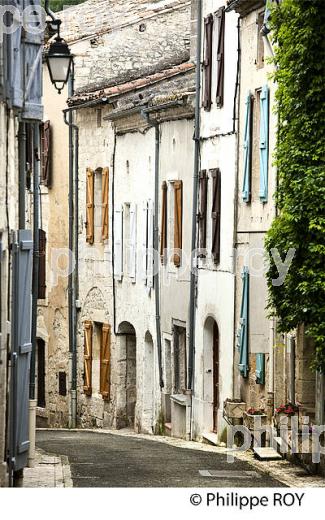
(210, 438)
(266, 454)
(168, 429)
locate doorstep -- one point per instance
(211, 438)
(267, 454)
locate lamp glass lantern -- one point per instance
(59, 61)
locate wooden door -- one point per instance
(215, 376)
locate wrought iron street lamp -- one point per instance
(59, 61)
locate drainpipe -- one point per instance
(293, 369)
(22, 173)
(155, 124)
(73, 248)
(32, 401)
(193, 280)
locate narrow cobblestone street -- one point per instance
(112, 460)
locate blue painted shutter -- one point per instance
(247, 150)
(243, 329)
(15, 60)
(32, 72)
(21, 344)
(264, 142)
(260, 369)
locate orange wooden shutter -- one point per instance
(105, 191)
(90, 206)
(178, 218)
(105, 361)
(163, 238)
(88, 356)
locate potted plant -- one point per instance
(234, 408)
(284, 413)
(254, 418)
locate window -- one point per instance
(180, 362)
(260, 40)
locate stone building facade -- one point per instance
(214, 321)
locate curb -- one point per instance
(67, 479)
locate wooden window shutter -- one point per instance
(105, 362)
(264, 143)
(207, 63)
(178, 220)
(144, 263)
(46, 150)
(32, 70)
(260, 369)
(105, 194)
(88, 356)
(90, 206)
(242, 335)
(42, 265)
(163, 236)
(203, 210)
(220, 56)
(132, 259)
(118, 242)
(247, 166)
(216, 208)
(150, 257)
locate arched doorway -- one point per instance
(128, 352)
(148, 384)
(211, 369)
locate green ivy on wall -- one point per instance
(298, 28)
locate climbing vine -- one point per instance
(298, 28)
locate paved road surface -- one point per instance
(106, 460)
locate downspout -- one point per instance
(155, 124)
(236, 390)
(193, 279)
(73, 248)
(32, 401)
(22, 173)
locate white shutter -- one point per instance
(144, 242)
(118, 242)
(133, 242)
(150, 244)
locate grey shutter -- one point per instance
(220, 15)
(15, 59)
(202, 217)
(21, 346)
(32, 72)
(207, 63)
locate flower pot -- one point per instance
(234, 409)
(253, 422)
